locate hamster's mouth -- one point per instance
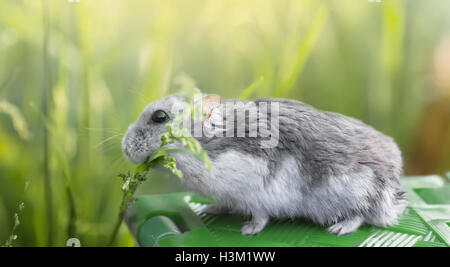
(138, 157)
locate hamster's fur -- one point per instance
(331, 169)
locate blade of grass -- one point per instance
(304, 51)
(46, 108)
(72, 212)
(392, 59)
(67, 174)
(251, 89)
(19, 122)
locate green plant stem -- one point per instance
(132, 182)
(71, 227)
(118, 223)
(46, 100)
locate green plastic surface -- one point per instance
(177, 220)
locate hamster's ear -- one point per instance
(208, 103)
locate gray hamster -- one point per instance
(328, 168)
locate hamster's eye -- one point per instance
(160, 116)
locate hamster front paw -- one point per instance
(345, 227)
(255, 226)
(216, 209)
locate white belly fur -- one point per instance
(239, 183)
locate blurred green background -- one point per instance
(75, 74)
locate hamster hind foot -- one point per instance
(255, 226)
(345, 227)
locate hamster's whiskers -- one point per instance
(111, 138)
